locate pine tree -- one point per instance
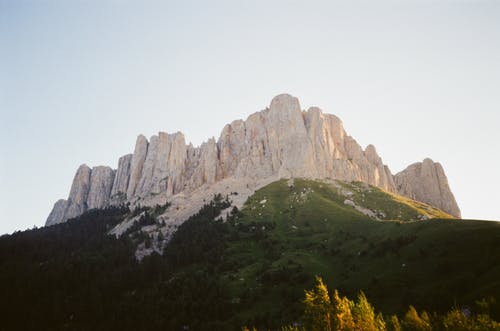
(380, 322)
(290, 328)
(318, 307)
(364, 315)
(393, 324)
(342, 315)
(415, 322)
(456, 320)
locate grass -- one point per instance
(287, 234)
(253, 268)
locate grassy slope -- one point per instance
(282, 243)
(250, 270)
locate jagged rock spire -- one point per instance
(426, 181)
(279, 142)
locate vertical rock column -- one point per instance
(138, 158)
(122, 178)
(101, 183)
(77, 200)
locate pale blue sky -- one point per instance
(79, 80)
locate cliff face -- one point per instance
(91, 188)
(281, 141)
(122, 178)
(426, 181)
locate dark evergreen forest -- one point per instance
(73, 276)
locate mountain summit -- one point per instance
(281, 141)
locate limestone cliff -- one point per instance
(91, 188)
(122, 179)
(101, 184)
(281, 141)
(426, 181)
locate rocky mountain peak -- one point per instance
(426, 181)
(281, 141)
(81, 184)
(284, 105)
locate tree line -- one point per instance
(325, 311)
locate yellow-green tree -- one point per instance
(393, 324)
(318, 308)
(291, 328)
(380, 322)
(342, 314)
(456, 320)
(364, 316)
(415, 322)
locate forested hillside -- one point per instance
(251, 269)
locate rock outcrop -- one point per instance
(122, 178)
(77, 200)
(426, 181)
(91, 188)
(281, 141)
(80, 190)
(101, 184)
(57, 215)
(138, 158)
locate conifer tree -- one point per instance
(342, 315)
(380, 322)
(394, 324)
(364, 315)
(415, 322)
(318, 307)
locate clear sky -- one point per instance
(79, 80)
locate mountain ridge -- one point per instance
(281, 141)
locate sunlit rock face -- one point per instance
(281, 141)
(426, 181)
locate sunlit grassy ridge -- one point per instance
(285, 197)
(394, 206)
(288, 233)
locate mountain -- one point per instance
(250, 269)
(281, 141)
